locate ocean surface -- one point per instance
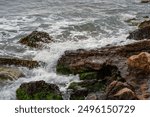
(73, 24)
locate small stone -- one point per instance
(35, 39)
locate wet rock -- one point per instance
(144, 24)
(107, 64)
(139, 34)
(86, 87)
(120, 91)
(140, 61)
(132, 22)
(38, 90)
(35, 39)
(20, 62)
(145, 1)
(9, 73)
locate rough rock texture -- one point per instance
(38, 90)
(144, 24)
(107, 64)
(35, 39)
(120, 91)
(140, 61)
(10, 73)
(20, 62)
(139, 34)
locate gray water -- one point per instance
(73, 24)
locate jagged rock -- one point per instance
(145, 1)
(144, 24)
(140, 61)
(139, 34)
(38, 90)
(120, 91)
(35, 39)
(106, 64)
(20, 62)
(10, 73)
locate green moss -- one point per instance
(74, 86)
(88, 75)
(22, 95)
(62, 69)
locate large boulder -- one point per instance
(36, 39)
(20, 62)
(38, 90)
(106, 64)
(9, 73)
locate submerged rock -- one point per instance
(38, 90)
(20, 62)
(35, 39)
(8, 73)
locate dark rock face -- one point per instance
(144, 24)
(38, 90)
(10, 73)
(108, 64)
(139, 34)
(19, 62)
(35, 39)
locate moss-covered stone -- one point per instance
(88, 75)
(62, 69)
(86, 87)
(38, 90)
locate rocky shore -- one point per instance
(108, 73)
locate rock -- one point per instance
(132, 22)
(125, 94)
(144, 24)
(140, 61)
(35, 39)
(145, 1)
(139, 34)
(38, 90)
(10, 73)
(86, 87)
(20, 62)
(120, 91)
(106, 64)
